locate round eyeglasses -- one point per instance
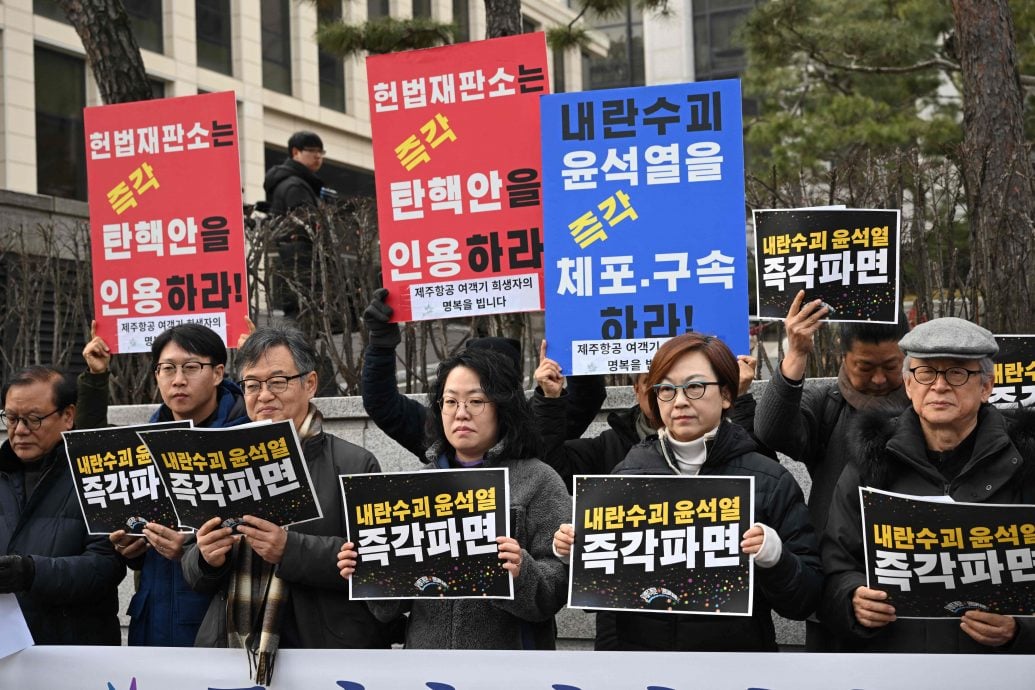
(474, 406)
(666, 392)
(954, 376)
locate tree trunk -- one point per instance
(111, 49)
(996, 168)
(502, 18)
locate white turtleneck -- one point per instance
(689, 455)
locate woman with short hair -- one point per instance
(693, 380)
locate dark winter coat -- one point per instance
(290, 185)
(74, 596)
(891, 454)
(792, 587)
(319, 609)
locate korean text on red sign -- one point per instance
(456, 151)
(166, 228)
(643, 194)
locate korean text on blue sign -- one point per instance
(643, 205)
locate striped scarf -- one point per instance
(257, 596)
(254, 601)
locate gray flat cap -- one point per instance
(951, 338)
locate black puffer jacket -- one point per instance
(290, 185)
(891, 454)
(792, 587)
(74, 596)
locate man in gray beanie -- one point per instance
(952, 443)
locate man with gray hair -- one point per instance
(952, 443)
(306, 607)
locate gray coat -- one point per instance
(319, 611)
(539, 503)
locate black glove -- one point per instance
(16, 573)
(375, 318)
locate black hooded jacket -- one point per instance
(290, 185)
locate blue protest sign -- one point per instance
(644, 222)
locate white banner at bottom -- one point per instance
(166, 668)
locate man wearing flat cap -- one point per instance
(952, 443)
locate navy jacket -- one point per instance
(165, 611)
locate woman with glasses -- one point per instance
(693, 381)
(482, 419)
(949, 443)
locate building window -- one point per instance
(212, 29)
(49, 9)
(462, 21)
(157, 88)
(378, 8)
(60, 142)
(332, 67)
(717, 53)
(528, 26)
(422, 9)
(276, 45)
(145, 16)
(623, 65)
(559, 85)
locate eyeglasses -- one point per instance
(31, 421)
(666, 392)
(474, 407)
(167, 370)
(954, 376)
(274, 384)
(313, 149)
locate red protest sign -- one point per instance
(166, 227)
(456, 149)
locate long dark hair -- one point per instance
(500, 380)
